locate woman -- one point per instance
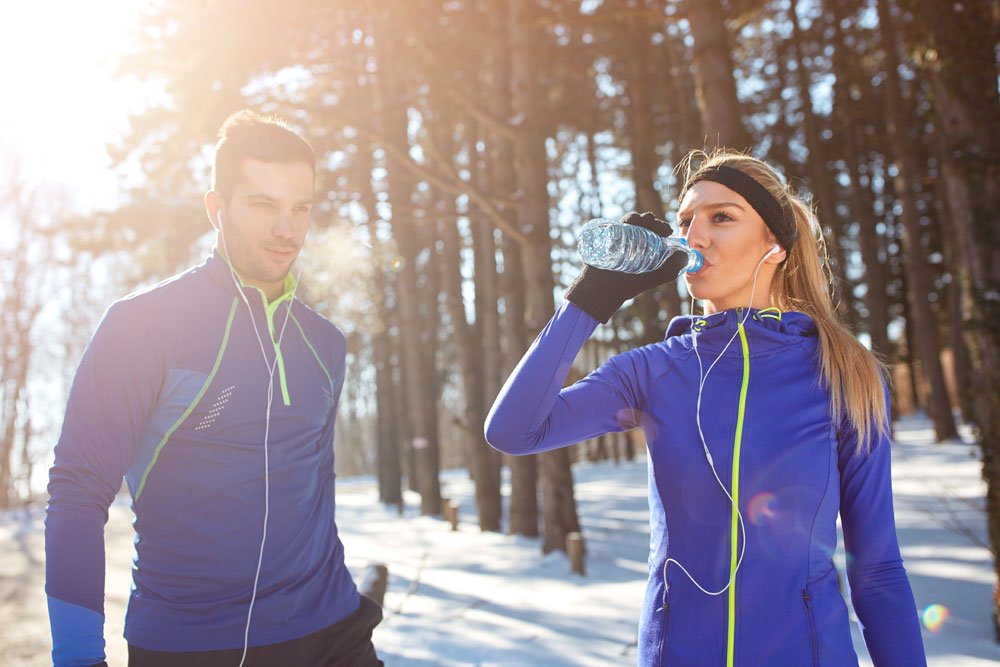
(764, 419)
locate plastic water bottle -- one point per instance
(617, 246)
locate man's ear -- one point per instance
(213, 208)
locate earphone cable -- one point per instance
(702, 379)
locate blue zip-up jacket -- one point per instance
(171, 394)
(790, 468)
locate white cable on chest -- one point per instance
(702, 379)
(271, 366)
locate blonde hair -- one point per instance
(852, 374)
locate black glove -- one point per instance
(600, 293)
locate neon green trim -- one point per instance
(734, 527)
(194, 403)
(773, 312)
(270, 309)
(312, 349)
(281, 375)
(289, 285)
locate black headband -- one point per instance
(779, 219)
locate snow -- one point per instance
(471, 598)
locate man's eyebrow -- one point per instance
(715, 206)
(266, 197)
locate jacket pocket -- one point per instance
(665, 610)
(811, 621)
(664, 620)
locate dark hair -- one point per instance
(249, 135)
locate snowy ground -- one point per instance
(468, 598)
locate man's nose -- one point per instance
(284, 226)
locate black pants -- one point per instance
(346, 643)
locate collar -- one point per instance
(218, 268)
(768, 327)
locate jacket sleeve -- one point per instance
(880, 590)
(115, 385)
(532, 415)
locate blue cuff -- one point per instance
(77, 634)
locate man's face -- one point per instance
(265, 220)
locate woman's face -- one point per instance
(733, 238)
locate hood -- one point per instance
(767, 329)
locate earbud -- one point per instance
(774, 249)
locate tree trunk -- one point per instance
(486, 460)
(644, 164)
(848, 121)
(387, 454)
(524, 517)
(471, 344)
(715, 89)
(419, 368)
(966, 101)
(821, 179)
(558, 503)
(923, 326)
(523, 469)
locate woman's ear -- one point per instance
(775, 255)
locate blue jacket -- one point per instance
(789, 466)
(171, 394)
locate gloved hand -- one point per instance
(600, 293)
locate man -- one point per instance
(214, 395)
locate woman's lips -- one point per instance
(705, 266)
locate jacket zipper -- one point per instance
(735, 490)
(812, 627)
(663, 635)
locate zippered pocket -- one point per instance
(665, 610)
(811, 619)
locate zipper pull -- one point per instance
(806, 598)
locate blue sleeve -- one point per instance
(115, 385)
(532, 415)
(880, 590)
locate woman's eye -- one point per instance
(684, 223)
(720, 217)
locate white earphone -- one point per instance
(271, 366)
(702, 379)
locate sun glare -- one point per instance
(61, 104)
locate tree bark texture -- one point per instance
(558, 503)
(419, 365)
(524, 519)
(715, 89)
(922, 325)
(966, 101)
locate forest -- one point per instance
(462, 145)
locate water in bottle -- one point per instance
(617, 246)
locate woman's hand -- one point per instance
(600, 293)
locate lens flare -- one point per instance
(763, 507)
(397, 264)
(933, 617)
